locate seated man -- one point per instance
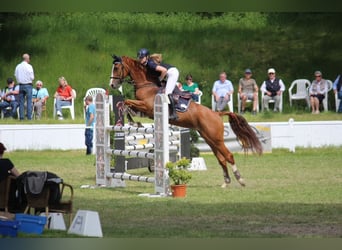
(10, 98)
(221, 91)
(39, 98)
(63, 96)
(192, 87)
(248, 90)
(272, 88)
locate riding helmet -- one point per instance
(142, 53)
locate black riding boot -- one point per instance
(172, 109)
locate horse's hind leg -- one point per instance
(222, 161)
(228, 156)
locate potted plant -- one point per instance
(180, 176)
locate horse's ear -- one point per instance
(117, 59)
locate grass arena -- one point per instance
(286, 195)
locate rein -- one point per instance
(136, 86)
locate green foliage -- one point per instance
(178, 171)
(79, 45)
(194, 151)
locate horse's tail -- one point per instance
(243, 132)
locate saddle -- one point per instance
(182, 99)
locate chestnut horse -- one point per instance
(207, 122)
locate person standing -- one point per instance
(39, 98)
(317, 91)
(89, 122)
(10, 98)
(25, 76)
(272, 88)
(222, 89)
(248, 90)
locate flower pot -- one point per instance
(178, 190)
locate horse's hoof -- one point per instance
(224, 185)
(242, 182)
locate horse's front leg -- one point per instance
(137, 105)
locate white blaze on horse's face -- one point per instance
(115, 81)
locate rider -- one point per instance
(156, 67)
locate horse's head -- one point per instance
(119, 72)
(126, 66)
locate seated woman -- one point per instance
(317, 92)
(191, 87)
(6, 169)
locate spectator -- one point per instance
(337, 87)
(222, 89)
(25, 76)
(317, 91)
(10, 98)
(63, 96)
(191, 87)
(89, 121)
(6, 166)
(156, 67)
(39, 98)
(248, 90)
(272, 88)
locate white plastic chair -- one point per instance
(92, 92)
(70, 107)
(272, 101)
(230, 103)
(325, 100)
(247, 101)
(337, 102)
(301, 86)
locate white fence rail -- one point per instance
(70, 137)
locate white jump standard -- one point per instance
(104, 176)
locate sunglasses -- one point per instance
(318, 76)
(271, 73)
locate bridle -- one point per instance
(121, 77)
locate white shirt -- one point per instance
(24, 73)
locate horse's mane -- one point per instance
(137, 68)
